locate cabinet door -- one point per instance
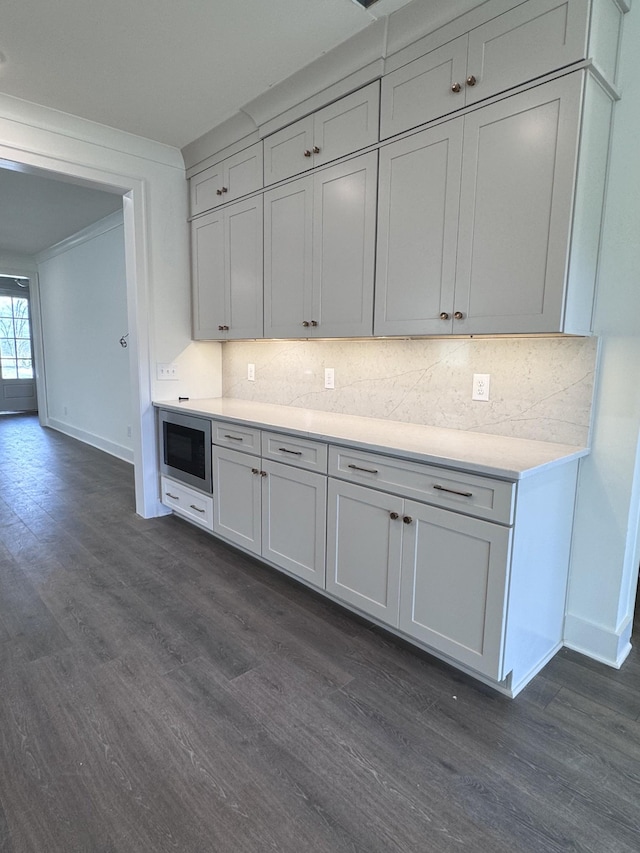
(344, 229)
(242, 173)
(204, 189)
(531, 40)
(347, 125)
(289, 151)
(454, 585)
(236, 498)
(423, 89)
(208, 276)
(244, 266)
(518, 174)
(419, 194)
(294, 511)
(364, 549)
(288, 217)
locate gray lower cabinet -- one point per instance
(273, 510)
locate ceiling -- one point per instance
(166, 70)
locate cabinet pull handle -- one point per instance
(459, 315)
(407, 519)
(292, 452)
(197, 508)
(255, 471)
(358, 468)
(393, 515)
(453, 491)
(307, 153)
(234, 437)
(444, 316)
(315, 149)
(173, 497)
(456, 87)
(471, 80)
(223, 328)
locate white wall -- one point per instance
(605, 549)
(83, 304)
(156, 251)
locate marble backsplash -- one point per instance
(541, 388)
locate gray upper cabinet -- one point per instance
(531, 40)
(488, 225)
(227, 264)
(339, 129)
(319, 258)
(232, 178)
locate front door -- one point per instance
(17, 376)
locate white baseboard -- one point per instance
(597, 641)
(118, 450)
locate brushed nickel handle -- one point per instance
(316, 150)
(459, 315)
(358, 468)
(394, 515)
(453, 491)
(234, 437)
(444, 316)
(197, 508)
(173, 497)
(407, 519)
(314, 323)
(307, 153)
(471, 80)
(456, 87)
(292, 452)
(255, 471)
(305, 323)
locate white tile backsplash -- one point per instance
(541, 388)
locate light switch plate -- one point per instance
(167, 371)
(251, 372)
(329, 378)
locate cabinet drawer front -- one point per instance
(467, 493)
(284, 151)
(187, 502)
(242, 438)
(348, 125)
(203, 189)
(300, 452)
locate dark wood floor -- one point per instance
(161, 692)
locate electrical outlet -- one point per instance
(167, 371)
(481, 386)
(329, 378)
(251, 372)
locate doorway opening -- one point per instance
(17, 374)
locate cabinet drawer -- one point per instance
(242, 438)
(301, 452)
(468, 493)
(187, 502)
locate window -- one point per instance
(16, 358)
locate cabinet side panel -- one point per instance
(589, 208)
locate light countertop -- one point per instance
(481, 453)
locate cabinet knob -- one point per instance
(459, 315)
(316, 150)
(456, 87)
(314, 323)
(444, 316)
(305, 323)
(471, 80)
(407, 519)
(218, 192)
(255, 471)
(393, 515)
(221, 328)
(263, 473)
(225, 189)
(307, 153)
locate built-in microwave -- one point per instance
(185, 448)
